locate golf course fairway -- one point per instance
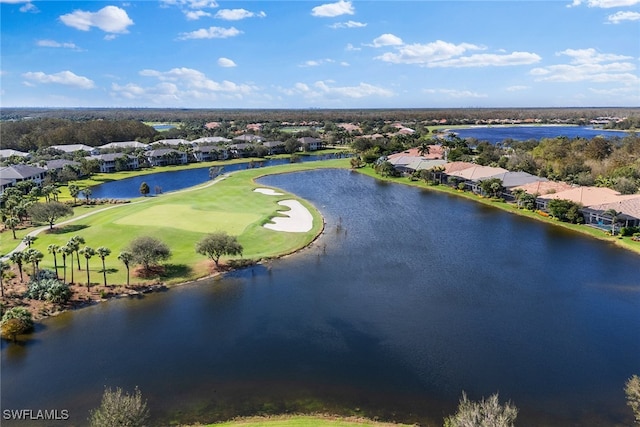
(182, 218)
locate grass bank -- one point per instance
(305, 421)
(623, 242)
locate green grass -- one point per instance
(182, 218)
(304, 421)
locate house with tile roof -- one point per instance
(628, 209)
(586, 196)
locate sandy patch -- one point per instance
(268, 191)
(298, 219)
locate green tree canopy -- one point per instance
(49, 212)
(147, 251)
(217, 244)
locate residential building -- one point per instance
(124, 145)
(72, 148)
(112, 162)
(309, 143)
(11, 175)
(207, 153)
(166, 156)
(275, 147)
(6, 153)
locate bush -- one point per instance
(632, 392)
(486, 413)
(16, 321)
(51, 290)
(629, 231)
(119, 409)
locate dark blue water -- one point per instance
(524, 133)
(408, 298)
(169, 180)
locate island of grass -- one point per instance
(305, 421)
(268, 224)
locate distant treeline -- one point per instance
(453, 116)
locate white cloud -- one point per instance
(489, 60)
(226, 63)
(158, 94)
(589, 65)
(455, 93)
(326, 89)
(331, 10)
(605, 4)
(427, 54)
(53, 43)
(27, 6)
(589, 56)
(191, 4)
(349, 47)
(190, 79)
(316, 62)
(618, 17)
(211, 33)
(445, 54)
(517, 88)
(66, 78)
(110, 19)
(237, 14)
(387, 40)
(194, 15)
(348, 24)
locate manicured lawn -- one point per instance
(304, 421)
(182, 218)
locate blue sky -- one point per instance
(315, 54)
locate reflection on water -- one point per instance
(407, 299)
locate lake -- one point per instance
(406, 299)
(172, 180)
(496, 134)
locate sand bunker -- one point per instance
(268, 191)
(297, 220)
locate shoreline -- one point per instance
(101, 294)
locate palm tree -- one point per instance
(103, 253)
(66, 250)
(88, 253)
(126, 258)
(53, 249)
(12, 222)
(75, 243)
(614, 219)
(87, 194)
(423, 150)
(28, 240)
(17, 258)
(3, 267)
(33, 256)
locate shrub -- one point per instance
(120, 409)
(486, 413)
(16, 321)
(51, 290)
(629, 231)
(632, 392)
